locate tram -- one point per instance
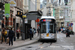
(48, 28)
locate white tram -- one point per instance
(48, 28)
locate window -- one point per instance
(66, 2)
(47, 27)
(43, 27)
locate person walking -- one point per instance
(18, 33)
(34, 30)
(38, 30)
(7, 30)
(68, 32)
(30, 33)
(11, 35)
(3, 35)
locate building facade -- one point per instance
(34, 5)
(1, 9)
(60, 9)
(73, 14)
(13, 21)
(47, 8)
(64, 13)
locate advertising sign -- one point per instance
(7, 9)
(53, 12)
(12, 3)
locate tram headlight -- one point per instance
(42, 34)
(52, 34)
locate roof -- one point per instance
(33, 15)
(44, 17)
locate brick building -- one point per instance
(13, 19)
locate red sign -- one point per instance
(37, 20)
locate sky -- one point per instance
(41, 1)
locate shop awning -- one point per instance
(33, 15)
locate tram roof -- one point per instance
(44, 17)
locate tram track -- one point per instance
(44, 46)
(30, 47)
(21, 46)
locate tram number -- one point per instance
(47, 35)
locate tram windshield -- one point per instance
(48, 27)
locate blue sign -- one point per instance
(71, 24)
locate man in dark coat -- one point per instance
(11, 35)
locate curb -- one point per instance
(22, 45)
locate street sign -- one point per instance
(12, 3)
(71, 24)
(37, 20)
(19, 13)
(7, 9)
(24, 16)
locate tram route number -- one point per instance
(47, 35)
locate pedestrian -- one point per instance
(34, 30)
(11, 36)
(30, 33)
(38, 30)
(59, 29)
(18, 33)
(68, 32)
(3, 35)
(6, 34)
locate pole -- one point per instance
(15, 27)
(35, 10)
(23, 30)
(0, 28)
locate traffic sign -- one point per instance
(71, 24)
(24, 16)
(37, 20)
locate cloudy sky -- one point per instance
(41, 0)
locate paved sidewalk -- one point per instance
(18, 43)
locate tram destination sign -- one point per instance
(47, 20)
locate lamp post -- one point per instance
(23, 27)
